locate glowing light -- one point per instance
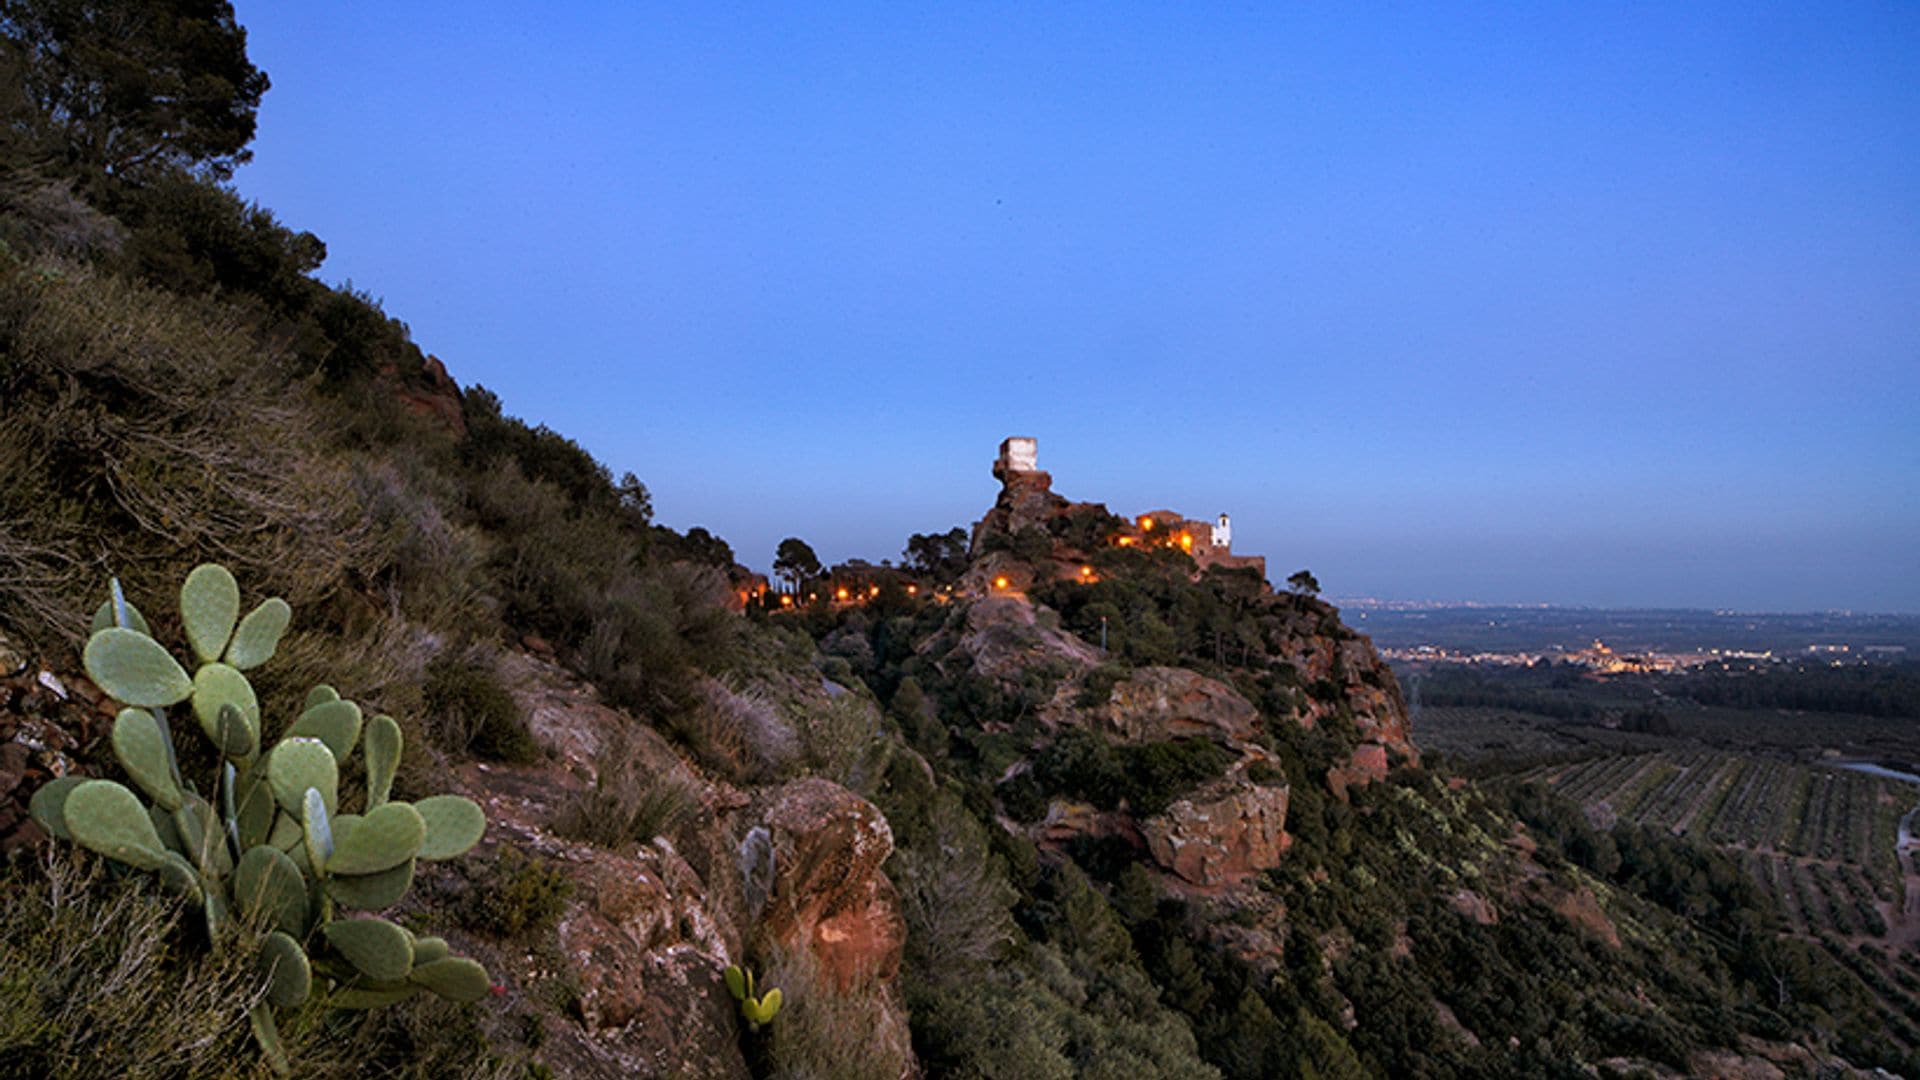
(841, 592)
(1125, 541)
(913, 590)
(1000, 582)
(786, 601)
(1146, 524)
(1086, 571)
(1186, 541)
(874, 591)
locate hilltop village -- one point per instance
(1030, 535)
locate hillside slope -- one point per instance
(1069, 807)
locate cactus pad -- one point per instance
(259, 634)
(298, 764)
(107, 818)
(372, 892)
(454, 825)
(290, 977)
(254, 811)
(379, 949)
(316, 831)
(216, 686)
(177, 874)
(209, 604)
(267, 884)
(132, 667)
(428, 949)
(336, 723)
(455, 978)
(141, 749)
(371, 997)
(383, 744)
(49, 805)
(233, 736)
(103, 618)
(761, 1010)
(200, 837)
(386, 837)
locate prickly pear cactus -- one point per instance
(758, 1010)
(268, 840)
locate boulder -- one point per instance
(829, 896)
(648, 954)
(1222, 835)
(1160, 703)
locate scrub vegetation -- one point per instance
(178, 388)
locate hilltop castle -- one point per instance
(1027, 499)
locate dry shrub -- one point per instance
(515, 895)
(95, 983)
(821, 1033)
(109, 977)
(46, 215)
(143, 433)
(738, 731)
(433, 566)
(630, 802)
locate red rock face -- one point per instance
(434, 395)
(1221, 836)
(1159, 703)
(829, 894)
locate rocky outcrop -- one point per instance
(1004, 636)
(1026, 501)
(1221, 835)
(647, 952)
(1473, 907)
(829, 895)
(1159, 703)
(432, 394)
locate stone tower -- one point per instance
(1019, 454)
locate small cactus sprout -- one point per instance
(269, 842)
(757, 1011)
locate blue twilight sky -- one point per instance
(1589, 304)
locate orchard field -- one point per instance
(1821, 839)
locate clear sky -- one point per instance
(1587, 304)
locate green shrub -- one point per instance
(471, 711)
(841, 740)
(516, 896)
(1146, 777)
